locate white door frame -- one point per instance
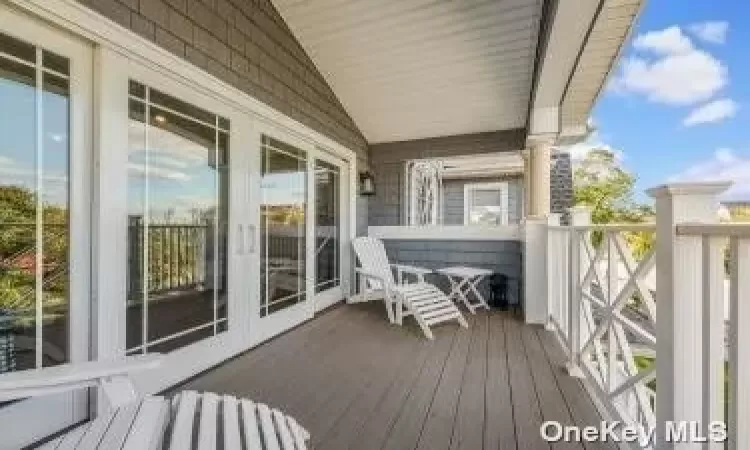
(335, 294)
(280, 321)
(54, 412)
(194, 358)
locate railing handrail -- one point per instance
(727, 229)
(649, 226)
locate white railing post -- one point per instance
(578, 217)
(739, 344)
(535, 270)
(679, 312)
(554, 269)
(713, 333)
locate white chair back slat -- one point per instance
(373, 259)
(287, 440)
(96, 430)
(267, 428)
(120, 427)
(67, 377)
(232, 438)
(182, 427)
(71, 440)
(208, 422)
(51, 445)
(299, 433)
(148, 428)
(250, 422)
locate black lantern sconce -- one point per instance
(366, 183)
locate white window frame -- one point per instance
(502, 186)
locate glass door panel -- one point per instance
(178, 189)
(327, 226)
(34, 205)
(45, 104)
(283, 225)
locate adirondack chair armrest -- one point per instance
(401, 269)
(110, 375)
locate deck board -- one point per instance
(357, 382)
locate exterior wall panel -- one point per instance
(499, 256)
(387, 162)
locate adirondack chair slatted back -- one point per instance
(373, 259)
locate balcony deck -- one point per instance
(357, 382)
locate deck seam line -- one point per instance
(533, 379)
(461, 386)
(510, 387)
(434, 391)
(407, 397)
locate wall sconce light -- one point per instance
(366, 183)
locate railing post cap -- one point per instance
(699, 188)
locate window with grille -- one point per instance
(486, 204)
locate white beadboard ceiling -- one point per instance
(410, 69)
(609, 33)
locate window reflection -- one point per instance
(283, 221)
(34, 223)
(178, 185)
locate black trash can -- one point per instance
(499, 291)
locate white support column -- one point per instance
(535, 271)
(540, 148)
(679, 309)
(555, 271)
(526, 183)
(579, 217)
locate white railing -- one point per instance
(602, 307)
(647, 330)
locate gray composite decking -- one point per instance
(357, 382)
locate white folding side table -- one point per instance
(464, 280)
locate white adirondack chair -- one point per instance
(189, 421)
(427, 303)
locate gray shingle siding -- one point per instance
(561, 183)
(387, 162)
(499, 256)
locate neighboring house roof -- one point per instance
(423, 68)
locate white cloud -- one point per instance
(724, 165)
(667, 41)
(669, 69)
(141, 170)
(714, 32)
(712, 112)
(579, 151)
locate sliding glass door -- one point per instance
(302, 192)
(328, 231)
(178, 187)
(284, 219)
(45, 80)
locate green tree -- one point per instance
(18, 245)
(608, 190)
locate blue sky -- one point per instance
(677, 106)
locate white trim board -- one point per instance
(87, 23)
(448, 232)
